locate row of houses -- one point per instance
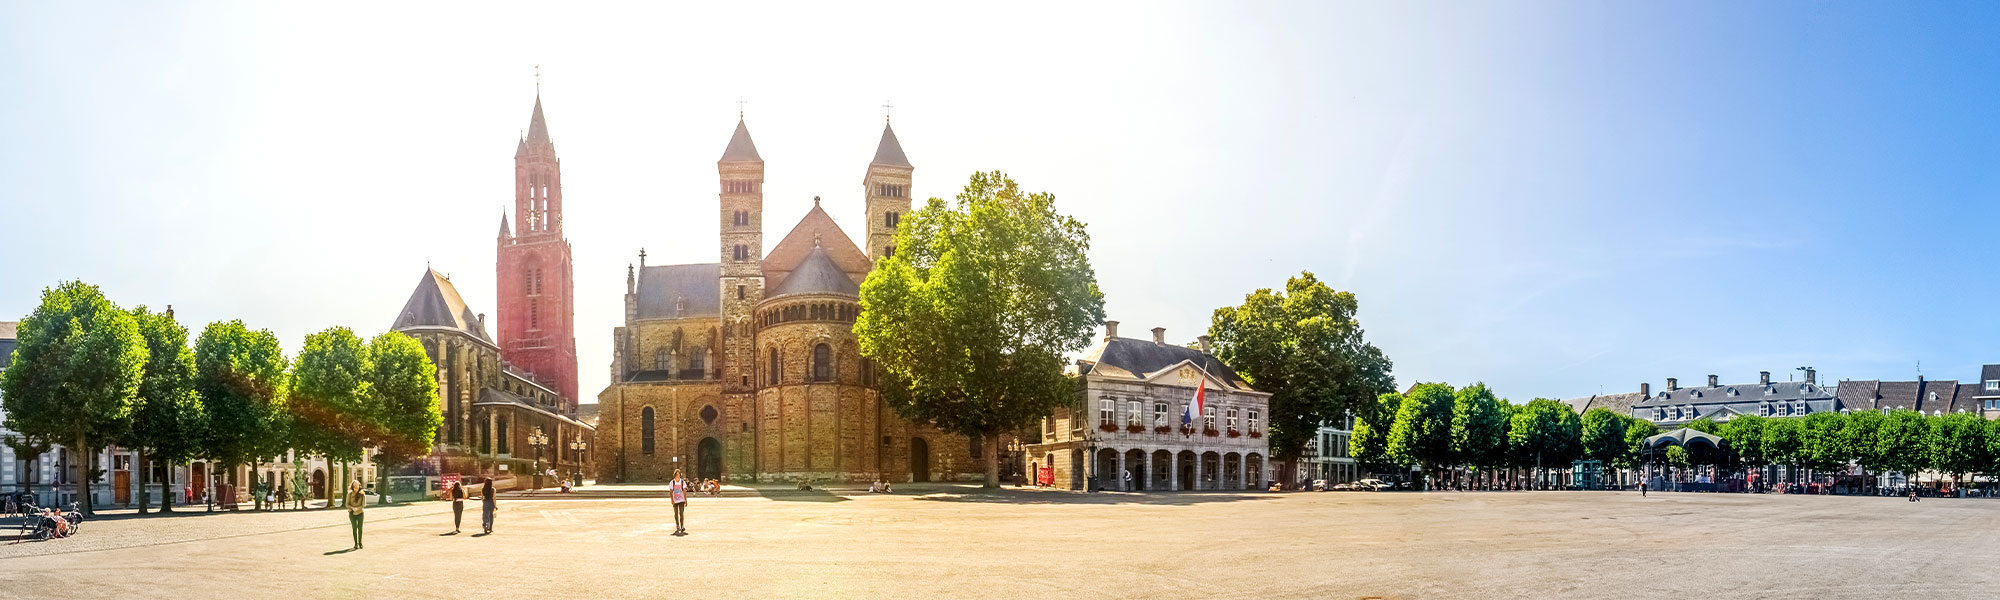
(1674, 405)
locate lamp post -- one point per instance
(538, 439)
(577, 446)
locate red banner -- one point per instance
(1045, 476)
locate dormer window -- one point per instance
(1993, 385)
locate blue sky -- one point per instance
(1555, 199)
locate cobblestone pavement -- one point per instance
(1016, 544)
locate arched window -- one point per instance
(867, 371)
(891, 218)
(646, 431)
(773, 367)
(889, 251)
(660, 360)
(697, 359)
(822, 363)
(742, 252)
(501, 436)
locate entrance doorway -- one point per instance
(319, 484)
(1186, 467)
(708, 459)
(920, 460)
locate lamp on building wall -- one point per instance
(538, 439)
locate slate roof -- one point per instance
(1143, 357)
(492, 397)
(1753, 392)
(741, 149)
(1857, 395)
(436, 303)
(1989, 373)
(817, 275)
(1896, 394)
(696, 288)
(1968, 398)
(889, 152)
(1945, 391)
(815, 230)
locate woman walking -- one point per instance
(486, 506)
(355, 502)
(679, 491)
(457, 495)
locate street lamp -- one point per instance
(577, 446)
(538, 439)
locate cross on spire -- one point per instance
(538, 80)
(739, 106)
(886, 107)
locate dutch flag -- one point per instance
(1194, 408)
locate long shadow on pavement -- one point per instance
(1161, 499)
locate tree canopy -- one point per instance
(1546, 433)
(76, 373)
(1603, 435)
(1305, 347)
(403, 385)
(1421, 434)
(972, 316)
(331, 401)
(241, 378)
(1369, 443)
(168, 422)
(1478, 427)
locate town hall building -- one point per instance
(748, 369)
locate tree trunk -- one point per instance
(990, 451)
(82, 474)
(143, 471)
(382, 480)
(167, 487)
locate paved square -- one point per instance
(1017, 544)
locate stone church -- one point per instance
(747, 369)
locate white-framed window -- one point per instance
(1232, 418)
(1105, 408)
(1252, 414)
(1208, 417)
(1993, 385)
(1159, 414)
(1763, 409)
(1132, 412)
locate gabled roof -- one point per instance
(741, 149)
(792, 251)
(889, 152)
(816, 275)
(1896, 394)
(1945, 391)
(1989, 373)
(1617, 403)
(1968, 398)
(436, 304)
(1776, 391)
(1142, 358)
(1857, 395)
(680, 291)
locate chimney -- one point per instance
(1159, 336)
(1812, 377)
(1711, 381)
(1645, 390)
(1110, 330)
(1203, 340)
(1764, 377)
(1671, 385)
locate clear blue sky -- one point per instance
(1551, 198)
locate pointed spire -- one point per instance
(538, 127)
(504, 232)
(889, 153)
(741, 149)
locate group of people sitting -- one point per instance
(879, 487)
(55, 524)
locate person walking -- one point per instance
(487, 506)
(355, 502)
(457, 495)
(678, 490)
(1642, 488)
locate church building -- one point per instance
(748, 369)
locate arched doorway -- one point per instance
(1135, 463)
(1186, 467)
(319, 484)
(1163, 462)
(1076, 469)
(1107, 469)
(708, 459)
(920, 460)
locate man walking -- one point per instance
(355, 501)
(678, 490)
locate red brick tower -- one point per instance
(537, 307)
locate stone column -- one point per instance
(1197, 471)
(1146, 472)
(1119, 479)
(493, 433)
(1174, 471)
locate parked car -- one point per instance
(1371, 485)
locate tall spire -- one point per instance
(890, 152)
(741, 149)
(538, 128)
(504, 232)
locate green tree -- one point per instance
(1546, 433)
(1861, 436)
(1783, 444)
(1603, 436)
(1677, 456)
(75, 374)
(1705, 425)
(1369, 444)
(1478, 427)
(1305, 347)
(1822, 443)
(971, 319)
(1421, 433)
(1636, 432)
(331, 402)
(241, 378)
(1745, 436)
(404, 389)
(167, 425)
(1956, 444)
(1899, 443)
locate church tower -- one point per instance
(537, 310)
(888, 186)
(741, 174)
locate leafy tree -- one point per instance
(241, 378)
(1369, 444)
(1636, 432)
(1677, 456)
(1899, 443)
(167, 426)
(404, 386)
(1546, 433)
(1478, 427)
(1956, 443)
(971, 319)
(1745, 436)
(1421, 434)
(1305, 347)
(75, 375)
(1861, 437)
(1705, 425)
(1822, 443)
(331, 401)
(1604, 435)
(1782, 442)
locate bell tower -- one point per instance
(741, 177)
(536, 306)
(888, 193)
